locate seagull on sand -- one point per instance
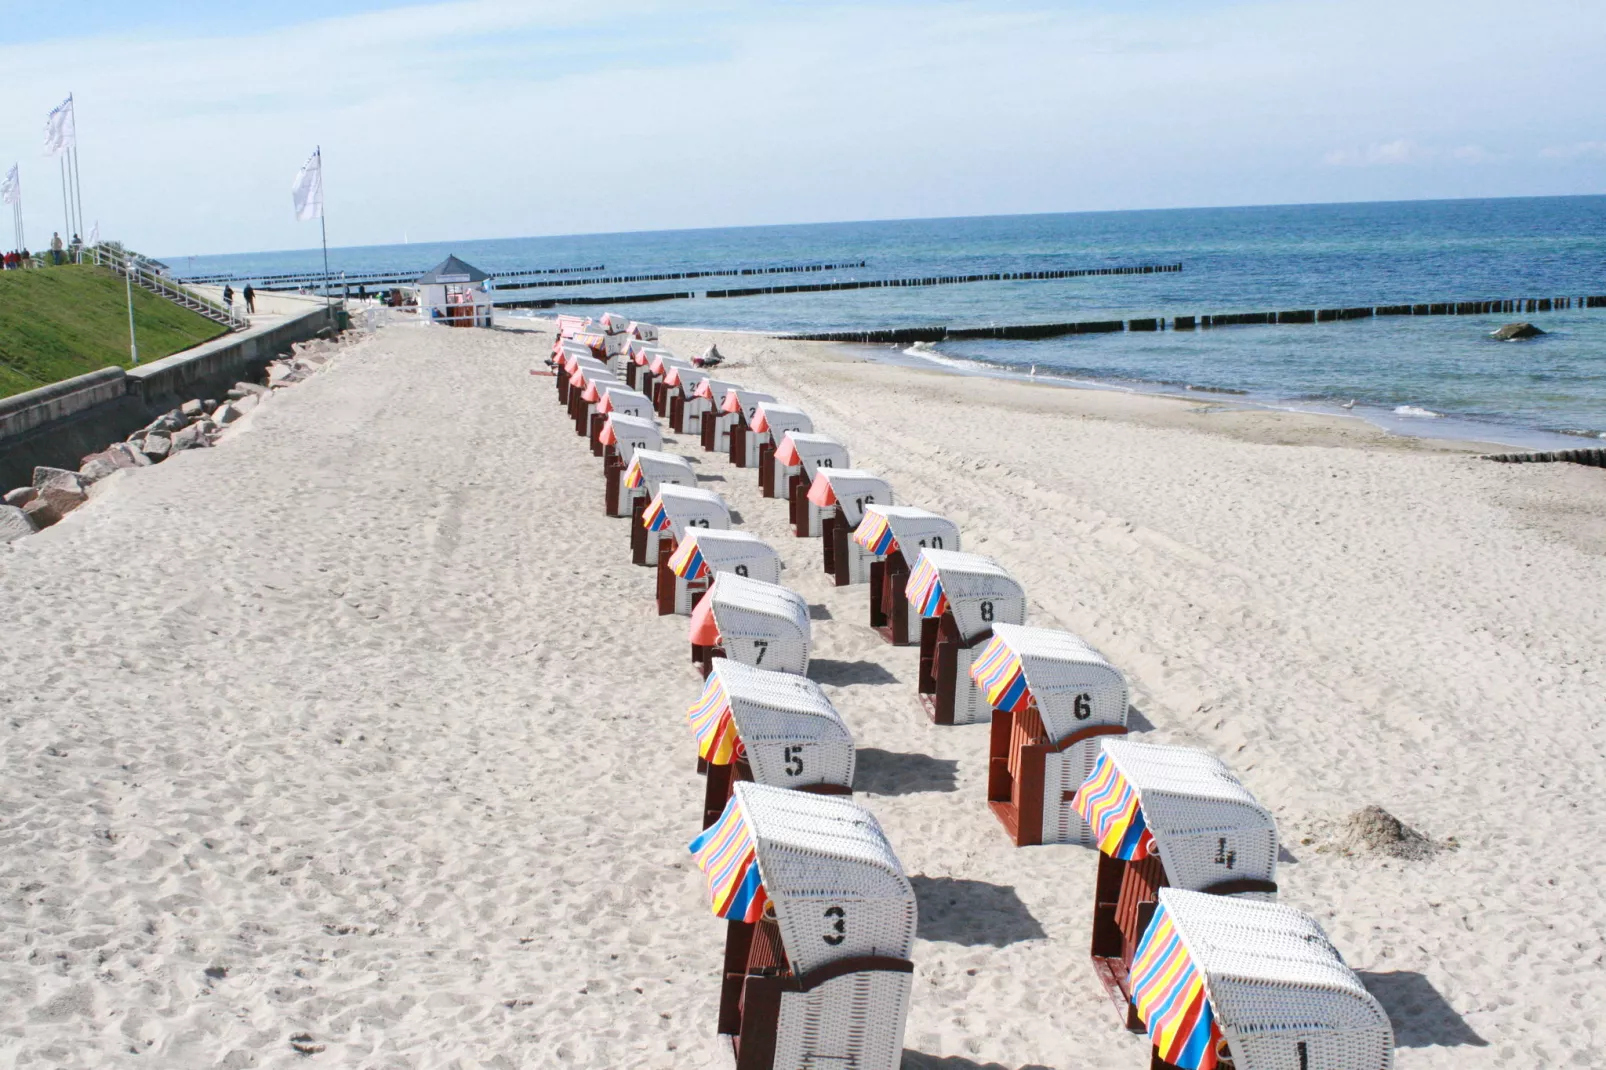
(1350, 404)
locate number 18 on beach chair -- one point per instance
(770, 728)
(842, 495)
(893, 536)
(959, 598)
(1233, 984)
(820, 927)
(1161, 817)
(702, 555)
(760, 624)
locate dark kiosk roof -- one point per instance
(452, 270)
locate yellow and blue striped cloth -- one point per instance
(925, 589)
(711, 723)
(1169, 993)
(1110, 807)
(1001, 677)
(727, 854)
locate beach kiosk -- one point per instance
(1164, 816)
(753, 725)
(772, 422)
(454, 294)
(615, 397)
(703, 554)
(676, 508)
(621, 437)
(1052, 697)
(820, 928)
(893, 536)
(648, 472)
(798, 459)
(841, 495)
(731, 420)
(959, 597)
(760, 624)
(1232, 984)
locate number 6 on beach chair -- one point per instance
(842, 495)
(703, 554)
(1165, 817)
(677, 509)
(1232, 984)
(959, 598)
(884, 533)
(759, 624)
(821, 924)
(770, 728)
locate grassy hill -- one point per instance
(65, 321)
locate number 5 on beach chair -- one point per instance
(959, 597)
(759, 624)
(884, 534)
(702, 555)
(842, 495)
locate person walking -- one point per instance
(228, 297)
(250, 296)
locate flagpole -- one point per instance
(323, 229)
(78, 188)
(66, 205)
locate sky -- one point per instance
(506, 118)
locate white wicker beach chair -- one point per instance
(587, 386)
(684, 406)
(760, 624)
(662, 373)
(616, 397)
(893, 536)
(621, 437)
(675, 510)
(703, 554)
(707, 398)
(1165, 816)
(636, 356)
(798, 459)
(773, 728)
(594, 339)
(959, 597)
(571, 376)
(736, 414)
(842, 495)
(772, 422)
(1222, 982)
(646, 332)
(647, 472)
(613, 327)
(821, 928)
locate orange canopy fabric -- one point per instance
(786, 452)
(704, 629)
(820, 492)
(733, 402)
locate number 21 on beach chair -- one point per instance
(760, 624)
(893, 536)
(959, 598)
(621, 437)
(648, 472)
(820, 928)
(770, 728)
(1160, 817)
(842, 495)
(702, 555)
(736, 414)
(772, 423)
(798, 459)
(1233, 984)
(673, 512)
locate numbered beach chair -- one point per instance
(645, 332)
(616, 398)
(772, 422)
(634, 360)
(746, 439)
(760, 624)
(821, 924)
(564, 354)
(959, 598)
(1052, 696)
(621, 437)
(648, 472)
(1161, 817)
(569, 379)
(1233, 984)
(735, 416)
(677, 508)
(710, 395)
(841, 495)
(614, 328)
(585, 390)
(661, 366)
(681, 384)
(798, 459)
(703, 554)
(884, 534)
(594, 339)
(763, 727)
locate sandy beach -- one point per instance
(357, 741)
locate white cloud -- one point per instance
(1578, 150)
(1405, 151)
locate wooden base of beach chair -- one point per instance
(1124, 900)
(598, 421)
(839, 559)
(1017, 755)
(638, 533)
(646, 382)
(737, 453)
(940, 644)
(677, 413)
(563, 386)
(660, 398)
(703, 657)
(766, 468)
(709, 432)
(613, 482)
(666, 576)
(889, 600)
(631, 370)
(799, 508)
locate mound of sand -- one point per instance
(1374, 830)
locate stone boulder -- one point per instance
(192, 410)
(95, 469)
(20, 496)
(1514, 332)
(158, 444)
(14, 524)
(44, 476)
(56, 499)
(192, 437)
(247, 403)
(225, 414)
(168, 421)
(127, 456)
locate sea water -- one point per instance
(1438, 374)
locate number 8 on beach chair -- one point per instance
(842, 494)
(737, 412)
(760, 624)
(703, 554)
(770, 423)
(648, 472)
(798, 459)
(673, 512)
(770, 728)
(821, 924)
(621, 437)
(959, 598)
(1161, 817)
(1232, 984)
(883, 534)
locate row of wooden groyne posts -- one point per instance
(1186, 935)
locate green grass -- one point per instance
(65, 321)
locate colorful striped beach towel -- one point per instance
(1111, 808)
(728, 856)
(925, 589)
(999, 674)
(1169, 993)
(711, 723)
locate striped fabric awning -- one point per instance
(925, 589)
(656, 518)
(874, 534)
(727, 854)
(999, 674)
(1170, 995)
(634, 477)
(821, 492)
(687, 561)
(711, 722)
(1110, 807)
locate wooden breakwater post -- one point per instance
(1595, 458)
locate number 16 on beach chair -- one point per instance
(760, 624)
(842, 495)
(894, 535)
(702, 555)
(1165, 816)
(959, 597)
(820, 928)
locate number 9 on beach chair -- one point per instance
(703, 554)
(883, 534)
(675, 510)
(647, 473)
(1233, 984)
(959, 597)
(798, 459)
(842, 495)
(760, 624)
(621, 437)
(772, 423)
(1161, 817)
(770, 728)
(646, 332)
(737, 412)
(821, 923)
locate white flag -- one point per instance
(308, 190)
(11, 188)
(61, 133)
(94, 234)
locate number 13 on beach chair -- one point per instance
(959, 598)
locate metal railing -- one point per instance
(129, 265)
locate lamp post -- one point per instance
(128, 277)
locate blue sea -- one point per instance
(1422, 375)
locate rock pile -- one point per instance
(196, 424)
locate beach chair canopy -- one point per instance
(678, 507)
(1071, 685)
(787, 729)
(850, 490)
(568, 325)
(651, 470)
(977, 590)
(660, 363)
(761, 624)
(573, 361)
(642, 352)
(627, 434)
(1183, 806)
(593, 339)
(612, 323)
(688, 379)
(714, 389)
(568, 348)
(647, 332)
(1258, 979)
(593, 385)
(887, 529)
(620, 398)
(745, 402)
(811, 452)
(707, 551)
(778, 419)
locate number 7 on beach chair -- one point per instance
(760, 624)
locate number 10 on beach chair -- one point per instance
(703, 554)
(820, 924)
(884, 534)
(959, 597)
(760, 624)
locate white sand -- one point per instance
(368, 708)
